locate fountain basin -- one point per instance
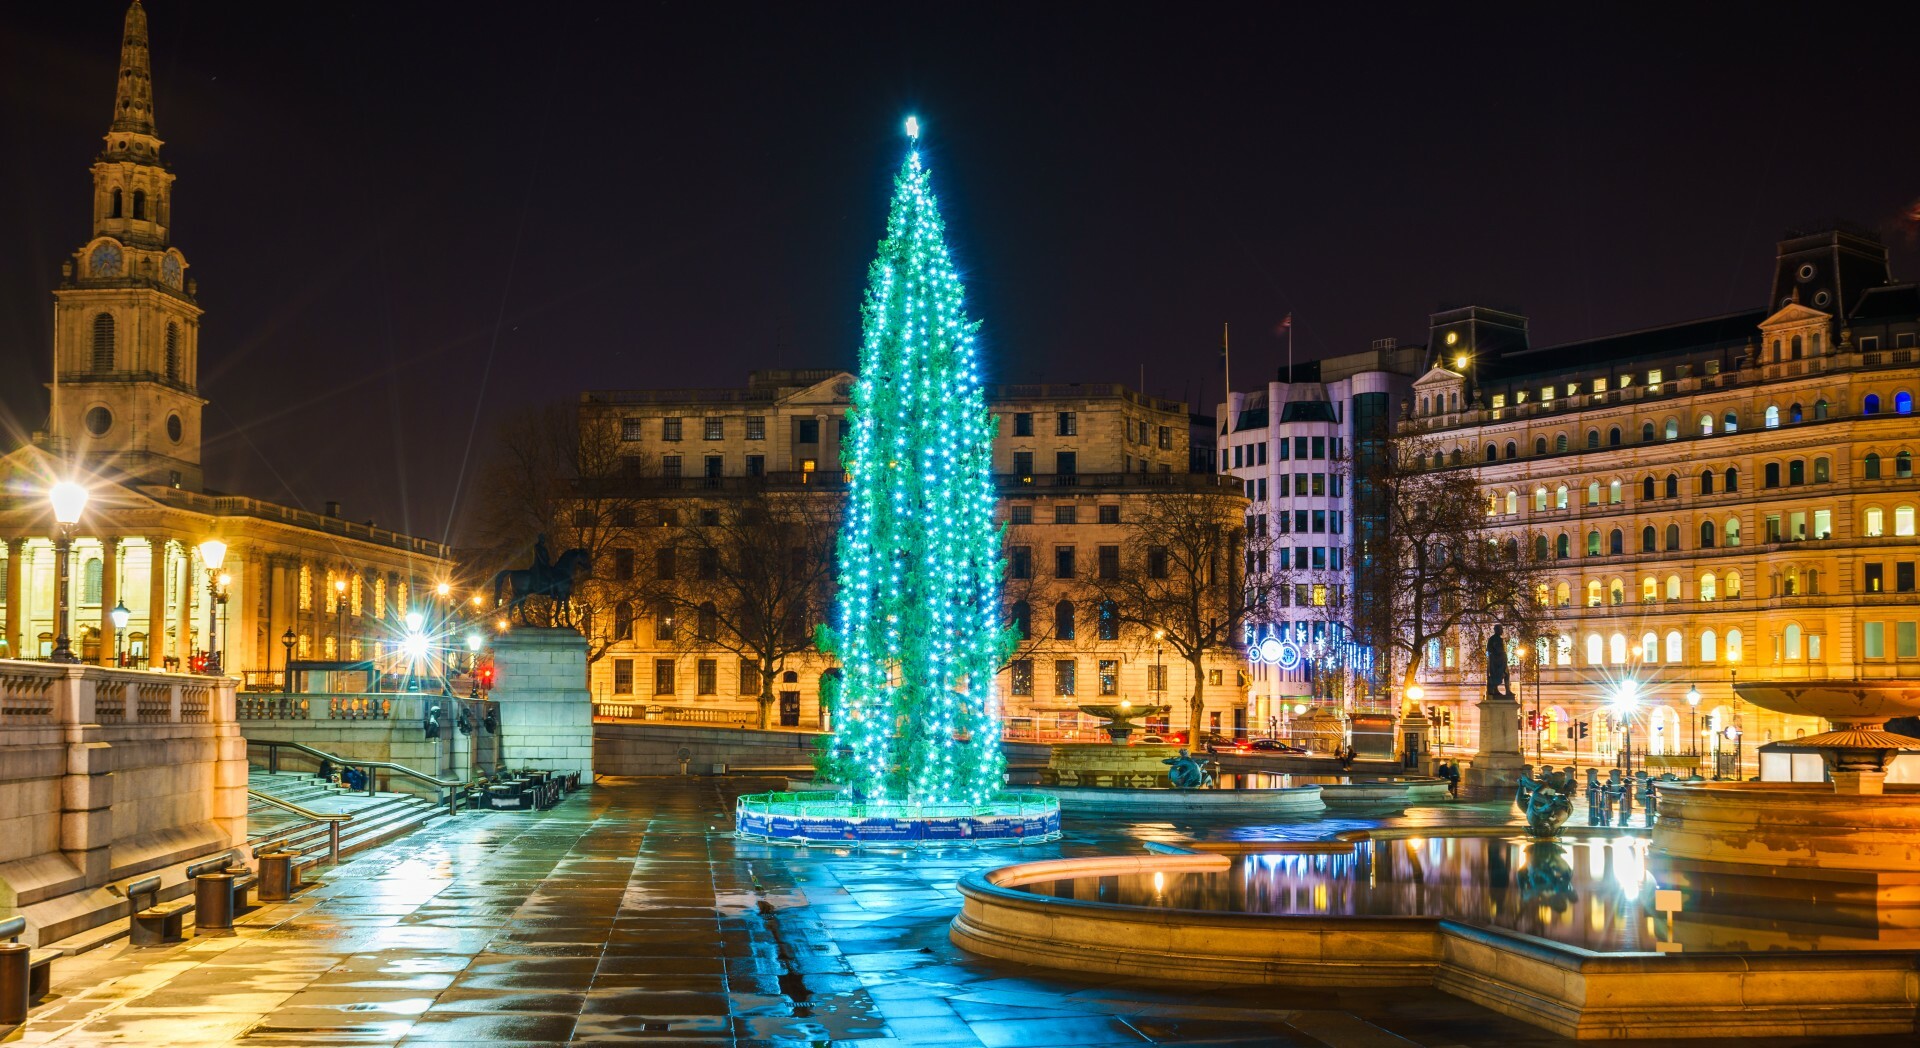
(817, 817)
(1788, 826)
(1570, 990)
(1226, 803)
(1849, 702)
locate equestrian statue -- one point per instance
(549, 578)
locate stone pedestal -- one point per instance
(546, 712)
(1499, 762)
(1416, 748)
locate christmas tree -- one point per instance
(918, 627)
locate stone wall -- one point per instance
(546, 713)
(639, 748)
(106, 775)
(373, 727)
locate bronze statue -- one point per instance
(1499, 684)
(1186, 773)
(550, 579)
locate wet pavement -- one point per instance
(629, 914)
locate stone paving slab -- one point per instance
(630, 915)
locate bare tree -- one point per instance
(551, 472)
(1181, 578)
(1438, 567)
(751, 575)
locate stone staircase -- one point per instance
(377, 818)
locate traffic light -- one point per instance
(1585, 728)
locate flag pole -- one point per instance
(1226, 355)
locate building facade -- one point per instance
(1724, 499)
(125, 421)
(1071, 460)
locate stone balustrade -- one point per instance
(107, 774)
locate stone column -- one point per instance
(109, 596)
(16, 598)
(182, 586)
(86, 790)
(229, 808)
(156, 601)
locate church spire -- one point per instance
(133, 101)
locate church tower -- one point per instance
(126, 327)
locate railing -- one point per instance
(1015, 482)
(317, 822)
(302, 706)
(451, 786)
(679, 714)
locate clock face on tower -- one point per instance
(170, 270)
(105, 260)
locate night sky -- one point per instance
(408, 218)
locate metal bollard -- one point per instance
(213, 902)
(15, 970)
(276, 875)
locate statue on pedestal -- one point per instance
(1499, 684)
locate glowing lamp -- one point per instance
(120, 615)
(213, 553)
(69, 501)
(1693, 696)
(913, 127)
(1460, 361)
(1415, 693)
(415, 620)
(415, 645)
(473, 642)
(443, 589)
(1299, 708)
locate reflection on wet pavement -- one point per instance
(629, 914)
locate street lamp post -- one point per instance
(119, 616)
(287, 641)
(340, 618)
(69, 501)
(1693, 739)
(1623, 703)
(213, 553)
(415, 645)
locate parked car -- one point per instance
(1152, 740)
(1276, 746)
(1222, 744)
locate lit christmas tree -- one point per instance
(918, 630)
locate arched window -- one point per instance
(1513, 549)
(1646, 488)
(1903, 403)
(623, 620)
(1593, 593)
(1776, 351)
(1673, 537)
(103, 342)
(1822, 470)
(1707, 534)
(90, 580)
(1593, 543)
(1513, 450)
(173, 352)
(1733, 479)
(1706, 425)
(707, 622)
(1706, 482)
(1791, 640)
(1616, 542)
(1733, 646)
(1903, 464)
(1593, 438)
(1513, 502)
(1649, 539)
(1732, 585)
(1617, 649)
(1673, 587)
(1709, 587)
(1798, 348)
(1646, 432)
(1649, 647)
(1613, 437)
(1794, 413)
(1903, 521)
(1673, 485)
(118, 202)
(1563, 595)
(1820, 410)
(663, 621)
(1871, 405)
(1613, 493)
(1560, 497)
(1539, 445)
(1593, 493)
(1876, 523)
(1022, 615)
(140, 205)
(1731, 423)
(1540, 548)
(1649, 590)
(1733, 531)
(1595, 653)
(1458, 457)
(1109, 620)
(1797, 472)
(1707, 653)
(1675, 646)
(1426, 406)
(1673, 428)
(1559, 442)
(1540, 500)
(1770, 475)
(1063, 620)
(1563, 545)
(1870, 469)
(1616, 592)
(1493, 453)
(1563, 650)
(1773, 417)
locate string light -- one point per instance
(918, 631)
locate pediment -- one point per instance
(1439, 376)
(1794, 313)
(833, 390)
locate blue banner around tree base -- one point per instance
(799, 818)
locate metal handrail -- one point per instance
(332, 820)
(452, 786)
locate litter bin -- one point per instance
(213, 902)
(15, 959)
(276, 875)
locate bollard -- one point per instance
(276, 875)
(15, 970)
(213, 902)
